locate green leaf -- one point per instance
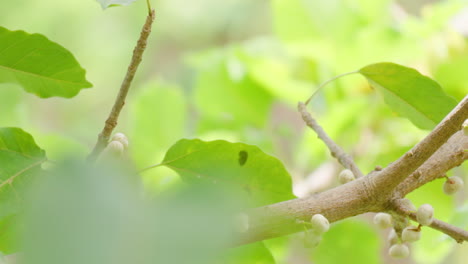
(255, 253)
(261, 178)
(20, 160)
(227, 98)
(409, 93)
(360, 242)
(39, 65)
(110, 3)
(159, 111)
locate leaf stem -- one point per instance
(148, 4)
(151, 167)
(327, 82)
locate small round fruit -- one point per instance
(115, 148)
(383, 220)
(411, 234)
(242, 223)
(392, 237)
(425, 214)
(399, 251)
(453, 185)
(408, 204)
(319, 224)
(346, 176)
(121, 138)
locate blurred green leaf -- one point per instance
(20, 160)
(159, 114)
(261, 178)
(39, 65)
(255, 253)
(409, 93)
(350, 241)
(110, 3)
(98, 216)
(223, 94)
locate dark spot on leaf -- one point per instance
(243, 155)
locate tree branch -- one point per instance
(335, 150)
(390, 177)
(371, 193)
(111, 121)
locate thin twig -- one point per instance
(460, 235)
(336, 151)
(111, 121)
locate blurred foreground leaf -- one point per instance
(261, 178)
(99, 216)
(255, 253)
(40, 66)
(20, 160)
(409, 93)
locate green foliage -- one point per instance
(356, 240)
(39, 65)
(225, 96)
(244, 91)
(261, 178)
(409, 93)
(255, 253)
(109, 3)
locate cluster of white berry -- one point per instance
(398, 244)
(319, 224)
(117, 146)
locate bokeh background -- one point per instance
(235, 70)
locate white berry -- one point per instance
(407, 204)
(242, 223)
(319, 224)
(346, 176)
(383, 220)
(392, 237)
(465, 127)
(411, 234)
(453, 185)
(425, 214)
(311, 239)
(115, 148)
(399, 251)
(121, 138)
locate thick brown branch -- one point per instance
(111, 121)
(336, 204)
(389, 178)
(335, 150)
(456, 233)
(450, 155)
